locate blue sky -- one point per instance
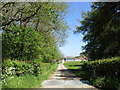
(74, 43)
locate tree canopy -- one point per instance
(33, 29)
(101, 29)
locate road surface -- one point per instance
(63, 78)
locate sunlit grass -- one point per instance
(73, 64)
(27, 80)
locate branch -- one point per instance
(7, 4)
(12, 20)
(32, 14)
(9, 30)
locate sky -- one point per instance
(74, 43)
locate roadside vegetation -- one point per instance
(103, 73)
(32, 32)
(101, 30)
(18, 74)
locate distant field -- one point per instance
(73, 64)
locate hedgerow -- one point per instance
(102, 67)
(14, 72)
(103, 73)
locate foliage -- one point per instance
(50, 51)
(44, 17)
(19, 74)
(78, 56)
(106, 82)
(22, 43)
(103, 67)
(28, 44)
(33, 30)
(19, 68)
(101, 29)
(103, 73)
(32, 33)
(99, 82)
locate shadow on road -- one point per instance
(65, 78)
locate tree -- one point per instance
(42, 16)
(0, 47)
(33, 30)
(25, 44)
(101, 29)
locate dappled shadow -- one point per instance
(64, 77)
(85, 81)
(76, 71)
(72, 69)
(65, 74)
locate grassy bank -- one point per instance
(102, 73)
(17, 74)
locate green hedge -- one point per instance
(102, 67)
(104, 73)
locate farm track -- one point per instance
(63, 78)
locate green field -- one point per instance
(73, 64)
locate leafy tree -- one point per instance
(101, 29)
(23, 44)
(42, 16)
(33, 30)
(0, 48)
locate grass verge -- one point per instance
(28, 80)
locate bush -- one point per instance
(19, 67)
(99, 82)
(22, 43)
(19, 74)
(103, 73)
(103, 67)
(105, 82)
